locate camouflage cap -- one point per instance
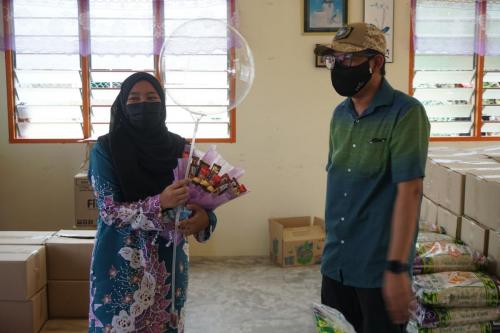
(355, 37)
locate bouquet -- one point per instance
(213, 180)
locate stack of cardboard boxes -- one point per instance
(68, 270)
(44, 275)
(23, 281)
(463, 186)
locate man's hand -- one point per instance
(196, 223)
(398, 296)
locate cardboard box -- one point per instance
(66, 326)
(430, 180)
(68, 299)
(450, 188)
(474, 235)
(68, 255)
(22, 271)
(450, 222)
(494, 252)
(494, 156)
(24, 316)
(452, 152)
(25, 237)
(86, 211)
(428, 211)
(482, 193)
(296, 241)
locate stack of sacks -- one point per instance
(452, 294)
(452, 302)
(68, 269)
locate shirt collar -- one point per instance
(383, 97)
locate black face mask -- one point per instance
(145, 116)
(347, 81)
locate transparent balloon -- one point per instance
(207, 67)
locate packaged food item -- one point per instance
(434, 317)
(456, 289)
(195, 164)
(203, 171)
(426, 237)
(442, 256)
(486, 327)
(329, 320)
(429, 227)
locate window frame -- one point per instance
(478, 89)
(84, 26)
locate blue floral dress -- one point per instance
(131, 269)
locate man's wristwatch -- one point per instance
(396, 267)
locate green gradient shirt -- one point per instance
(369, 155)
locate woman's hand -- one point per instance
(196, 223)
(175, 194)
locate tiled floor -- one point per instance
(241, 295)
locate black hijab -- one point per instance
(142, 161)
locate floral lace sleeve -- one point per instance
(143, 214)
(205, 235)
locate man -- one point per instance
(376, 162)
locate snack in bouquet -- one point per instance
(195, 164)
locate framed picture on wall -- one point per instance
(381, 14)
(324, 15)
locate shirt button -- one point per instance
(342, 219)
(353, 145)
(342, 242)
(348, 170)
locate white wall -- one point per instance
(282, 136)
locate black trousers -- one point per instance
(363, 308)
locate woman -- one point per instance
(131, 173)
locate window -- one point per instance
(455, 72)
(66, 60)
